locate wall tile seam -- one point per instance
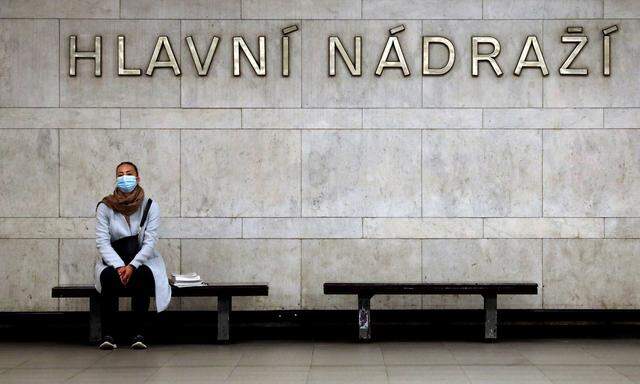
(161, 238)
(59, 174)
(339, 108)
(311, 130)
(553, 217)
(300, 175)
(59, 64)
(354, 238)
(366, 108)
(422, 80)
(338, 217)
(588, 306)
(421, 174)
(285, 19)
(541, 173)
(180, 173)
(543, 238)
(330, 129)
(59, 265)
(422, 277)
(301, 56)
(75, 237)
(179, 50)
(555, 108)
(52, 18)
(542, 273)
(543, 78)
(340, 238)
(300, 278)
(554, 18)
(315, 238)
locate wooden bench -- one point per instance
(224, 293)
(489, 291)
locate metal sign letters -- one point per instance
(352, 60)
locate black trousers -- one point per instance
(142, 287)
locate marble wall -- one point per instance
(308, 178)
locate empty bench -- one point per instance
(224, 293)
(489, 291)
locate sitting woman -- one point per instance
(126, 233)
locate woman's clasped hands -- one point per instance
(125, 274)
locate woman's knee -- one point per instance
(144, 272)
(109, 278)
(143, 277)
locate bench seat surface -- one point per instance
(223, 289)
(511, 288)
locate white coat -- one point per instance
(111, 226)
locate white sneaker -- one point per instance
(138, 343)
(107, 343)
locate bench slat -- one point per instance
(502, 288)
(230, 289)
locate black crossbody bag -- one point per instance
(128, 247)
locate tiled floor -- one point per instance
(527, 361)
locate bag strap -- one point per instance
(146, 212)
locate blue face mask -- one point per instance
(126, 183)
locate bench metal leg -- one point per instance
(224, 309)
(490, 317)
(95, 319)
(364, 317)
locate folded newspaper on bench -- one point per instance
(186, 280)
